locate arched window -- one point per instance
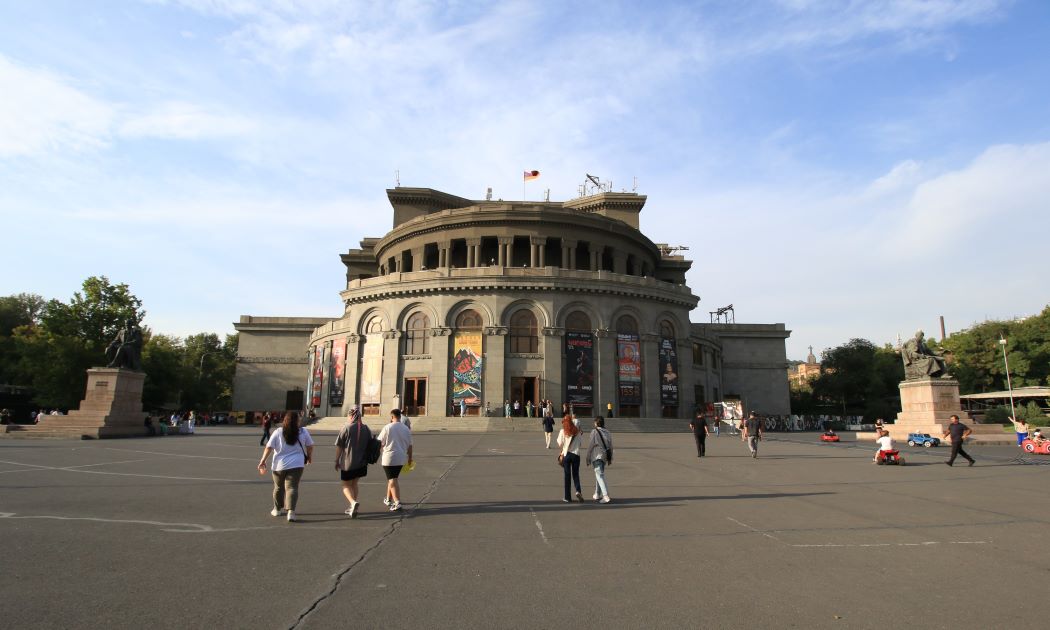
(666, 330)
(416, 334)
(524, 338)
(375, 325)
(578, 321)
(468, 320)
(626, 324)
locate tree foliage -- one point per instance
(977, 356)
(858, 378)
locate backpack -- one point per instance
(372, 451)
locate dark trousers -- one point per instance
(265, 437)
(572, 473)
(957, 449)
(701, 443)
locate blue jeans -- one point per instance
(1021, 437)
(600, 488)
(572, 473)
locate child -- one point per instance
(885, 443)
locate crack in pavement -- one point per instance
(394, 527)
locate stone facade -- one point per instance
(271, 360)
(500, 301)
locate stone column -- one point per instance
(353, 366)
(686, 380)
(493, 378)
(538, 244)
(391, 372)
(438, 394)
(504, 250)
(568, 257)
(532, 253)
(605, 366)
(619, 262)
(553, 373)
(651, 407)
(418, 259)
(596, 257)
(444, 250)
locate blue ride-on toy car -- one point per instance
(923, 439)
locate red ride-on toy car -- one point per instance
(829, 437)
(889, 457)
(1031, 446)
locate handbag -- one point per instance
(608, 451)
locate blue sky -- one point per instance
(852, 169)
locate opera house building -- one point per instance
(475, 305)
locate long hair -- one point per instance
(290, 427)
(569, 427)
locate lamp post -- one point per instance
(1009, 385)
(200, 368)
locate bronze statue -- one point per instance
(921, 362)
(125, 351)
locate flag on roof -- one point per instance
(531, 175)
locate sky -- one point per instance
(850, 169)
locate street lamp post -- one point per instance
(200, 368)
(1009, 385)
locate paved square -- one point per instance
(175, 532)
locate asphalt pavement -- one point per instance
(176, 532)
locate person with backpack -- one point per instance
(351, 456)
(292, 449)
(396, 440)
(600, 455)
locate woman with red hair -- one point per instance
(569, 441)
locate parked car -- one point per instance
(923, 439)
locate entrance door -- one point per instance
(415, 396)
(524, 389)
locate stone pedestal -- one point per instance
(927, 405)
(112, 407)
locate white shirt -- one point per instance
(396, 438)
(574, 444)
(288, 456)
(885, 443)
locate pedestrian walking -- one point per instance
(699, 427)
(267, 426)
(600, 456)
(548, 428)
(517, 408)
(752, 432)
(958, 432)
(506, 408)
(292, 449)
(396, 439)
(718, 426)
(462, 408)
(569, 442)
(351, 446)
(528, 409)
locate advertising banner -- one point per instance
(372, 369)
(466, 368)
(629, 368)
(337, 373)
(668, 372)
(315, 384)
(579, 369)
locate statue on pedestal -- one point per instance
(921, 362)
(125, 351)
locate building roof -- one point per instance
(1020, 392)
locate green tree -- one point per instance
(860, 379)
(162, 361)
(977, 355)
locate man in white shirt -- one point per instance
(885, 443)
(396, 439)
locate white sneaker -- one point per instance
(605, 499)
(291, 516)
(395, 507)
(352, 510)
(386, 501)
(595, 496)
(276, 512)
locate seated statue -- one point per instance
(125, 351)
(921, 362)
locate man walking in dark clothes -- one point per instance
(699, 427)
(753, 433)
(958, 432)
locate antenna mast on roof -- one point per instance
(547, 195)
(592, 185)
(724, 315)
(397, 179)
(488, 194)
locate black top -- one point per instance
(956, 430)
(548, 424)
(753, 425)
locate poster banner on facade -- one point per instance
(466, 368)
(372, 369)
(337, 373)
(579, 369)
(629, 368)
(315, 384)
(668, 372)
(310, 378)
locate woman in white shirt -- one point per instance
(292, 449)
(569, 441)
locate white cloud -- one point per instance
(42, 112)
(185, 121)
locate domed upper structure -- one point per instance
(475, 305)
